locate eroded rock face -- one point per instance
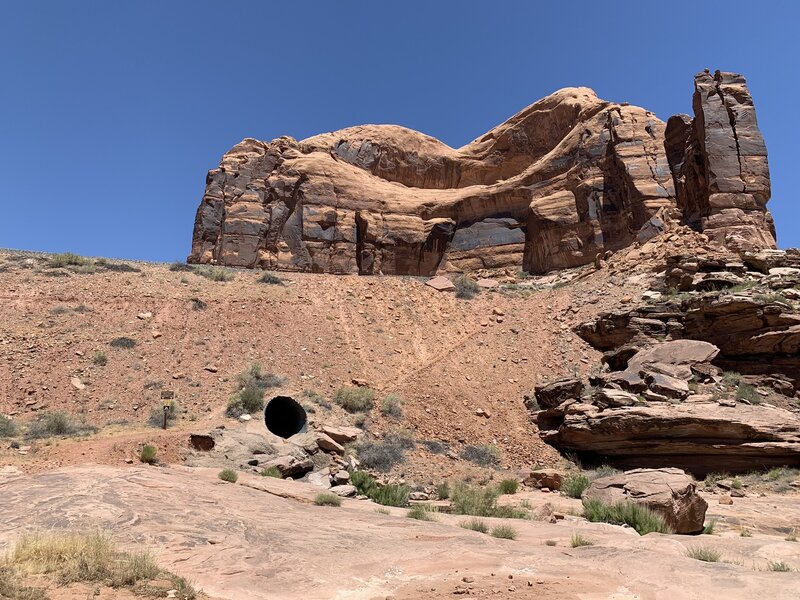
(669, 492)
(567, 178)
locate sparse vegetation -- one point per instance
(745, 532)
(639, 517)
(270, 279)
(780, 567)
(317, 399)
(574, 485)
(505, 532)
(124, 343)
(509, 486)
(550, 543)
(147, 454)
(86, 558)
(577, 540)
(214, 273)
(436, 446)
(481, 502)
(68, 259)
(100, 359)
(355, 399)
(392, 406)
(390, 495)
(422, 512)
(327, 499)
(181, 267)
(228, 475)
(483, 455)
(57, 424)
(709, 529)
(748, 392)
(475, 524)
(443, 490)
(466, 287)
(363, 482)
(198, 304)
(7, 427)
(792, 537)
(272, 471)
(249, 397)
(731, 379)
(704, 553)
(382, 455)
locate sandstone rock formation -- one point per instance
(565, 179)
(669, 492)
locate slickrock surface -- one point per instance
(565, 179)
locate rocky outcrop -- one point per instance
(719, 162)
(569, 177)
(667, 492)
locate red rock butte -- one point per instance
(567, 178)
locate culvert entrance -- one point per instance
(284, 416)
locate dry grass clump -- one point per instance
(704, 553)
(577, 540)
(422, 512)
(57, 424)
(327, 499)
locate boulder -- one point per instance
(441, 284)
(345, 491)
(290, 466)
(544, 478)
(553, 394)
(667, 491)
(341, 434)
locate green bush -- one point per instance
(123, 342)
(57, 423)
(709, 529)
(363, 482)
(214, 273)
(748, 392)
(390, 495)
(252, 384)
(574, 485)
(505, 532)
(577, 540)
(466, 287)
(731, 378)
(327, 499)
(468, 500)
(641, 518)
(443, 490)
(270, 279)
(7, 427)
(68, 259)
(780, 567)
(272, 471)
(228, 475)
(392, 406)
(475, 524)
(704, 553)
(100, 359)
(509, 486)
(422, 512)
(181, 267)
(147, 454)
(483, 455)
(355, 399)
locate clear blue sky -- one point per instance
(111, 112)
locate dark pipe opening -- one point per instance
(284, 416)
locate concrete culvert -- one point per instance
(284, 416)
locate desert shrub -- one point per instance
(467, 500)
(792, 537)
(736, 483)
(59, 310)
(327, 499)
(639, 517)
(505, 532)
(392, 406)
(228, 475)
(483, 455)
(550, 543)
(780, 567)
(147, 454)
(363, 482)
(574, 485)
(577, 540)
(422, 512)
(704, 553)
(509, 486)
(390, 495)
(68, 259)
(270, 279)
(249, 397)
(443, 490)
(100, 359)
(198, 304)
(119, 267)
(709, 529)
(181, 267)
(13, 588)
(745, 532)
(748, 392)
(214, 273)
(7, 427)
(355, 399)
(156, 417)
(123, 342)
(382, 511)
(475, 524)
(57, 424)
(435, 446)
(317, 399)
(382, 455)
(272, 471)
(731, 378)
(466, 288)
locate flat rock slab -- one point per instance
(441, 284)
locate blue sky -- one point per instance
(111, 112)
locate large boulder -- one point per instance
(669, 492)
(553, 394)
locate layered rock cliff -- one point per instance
(565, 179)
